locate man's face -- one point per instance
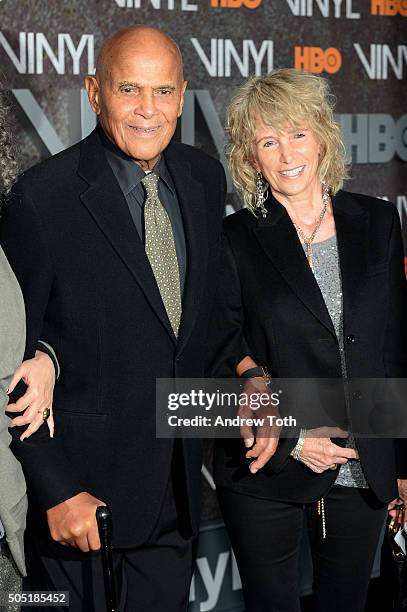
(138, 97)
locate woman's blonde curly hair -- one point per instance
(8, 164)
(286, 96)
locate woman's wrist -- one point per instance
(297, 450)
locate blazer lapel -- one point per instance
(279, 240)
(352, 236)
(191, 199)
(107, 205)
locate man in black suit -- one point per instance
(115, 244)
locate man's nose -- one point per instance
(147, 106)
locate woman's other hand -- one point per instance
(39, 376)
(400, 500)
(319, 453)
(402, 484)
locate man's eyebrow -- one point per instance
(133, 84)
(127, 83)
(172, 87)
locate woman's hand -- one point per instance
(320, 453)
(39, 376)
(402, 484)
(400, 500)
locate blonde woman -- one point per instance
(313, 285)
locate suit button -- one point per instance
(357, 395)
(350, 339)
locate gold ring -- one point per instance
(333, 466)
(46, 413)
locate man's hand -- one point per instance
(39, 376)
(73, 522)
(320, 453)
(266, 436)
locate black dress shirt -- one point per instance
(129, 176)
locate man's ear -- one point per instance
(181, 104)
(92, 88)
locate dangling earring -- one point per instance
(325, 192)
(261, 194)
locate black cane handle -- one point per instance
(104, 521)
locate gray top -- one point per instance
(13, 501)
(325, 261)
(129, 176)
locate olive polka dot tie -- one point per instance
(160, 250)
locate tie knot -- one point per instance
(150, 182)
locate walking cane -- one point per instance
(104, 521)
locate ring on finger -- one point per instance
(333, 466)
(45, 413)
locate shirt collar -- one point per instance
(127, 172)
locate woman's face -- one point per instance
(288, 159)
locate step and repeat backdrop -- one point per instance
(48, 46)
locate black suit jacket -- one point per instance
(269, 300)
(90, 292)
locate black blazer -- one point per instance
(268, 298)
(90, 292)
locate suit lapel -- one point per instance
(108, 207)
(190, 194)
(352, 236)
(278, 238)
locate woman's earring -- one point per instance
(261, 194)
(325, 192)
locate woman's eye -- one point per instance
(269, 143)
(299, 135)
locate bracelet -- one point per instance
(258, 371)
(296, 452)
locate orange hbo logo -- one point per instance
(388, 8)
(315, 59)
(235, 4)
